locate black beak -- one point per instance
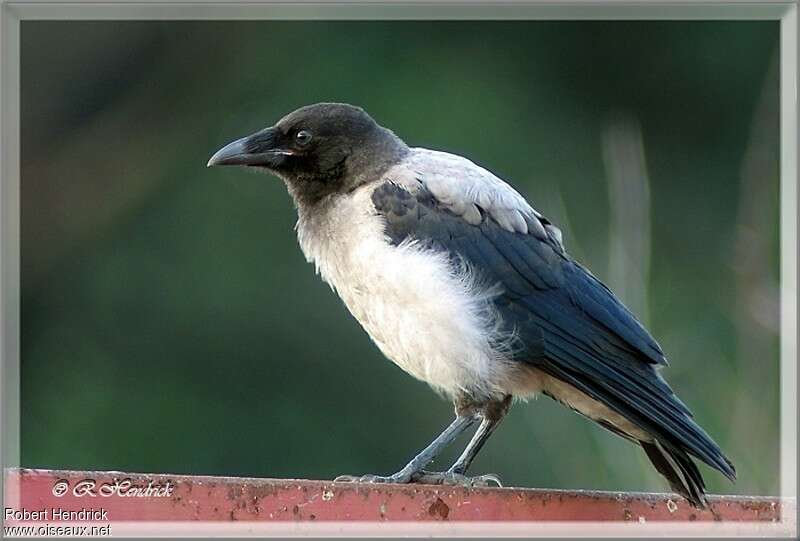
(260, 149)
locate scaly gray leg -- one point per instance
(491, 415)
(408, 473)
(487, 426)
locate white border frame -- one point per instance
(13, 12)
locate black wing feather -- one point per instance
(570, 324)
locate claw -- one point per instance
(426, 478)
(452, 478)
(346, 479)
(369, 478)
(485, 479)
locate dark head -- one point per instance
(318, 150)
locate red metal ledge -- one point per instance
(153, 497)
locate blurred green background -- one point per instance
(171, 324)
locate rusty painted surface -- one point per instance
(154, 497)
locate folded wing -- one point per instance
(570, 325)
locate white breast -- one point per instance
(432, 320)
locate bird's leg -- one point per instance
(407, 474)
(491, 415)
(485, 430)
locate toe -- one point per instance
(400, 478)
(487, 480)
(370, 478)
(454, 479)
(346, 479)
(425, 477)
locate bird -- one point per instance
(460, 282)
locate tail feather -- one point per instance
(679, 470)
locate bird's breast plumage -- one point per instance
(431, 318)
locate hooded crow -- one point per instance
(464, 285)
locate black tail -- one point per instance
(679, 470)
(642, 397)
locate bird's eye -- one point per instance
(303, 137)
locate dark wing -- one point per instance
(570, 325)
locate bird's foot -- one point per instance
(453, 478)
(426, 478)
(369, 478)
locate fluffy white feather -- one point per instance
(431, 319)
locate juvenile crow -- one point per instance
(464, 285)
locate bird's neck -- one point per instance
(372, 159)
